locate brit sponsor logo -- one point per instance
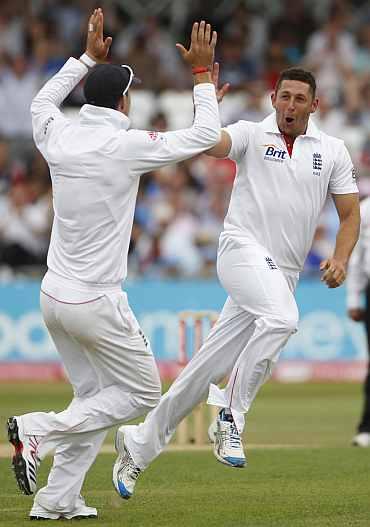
(273, 153)
(317, 164)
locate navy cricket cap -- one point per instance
(106, 83)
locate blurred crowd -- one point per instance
(180, 209)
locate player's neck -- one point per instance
(289, 142)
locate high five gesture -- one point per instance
(97, 47)
(201, 53)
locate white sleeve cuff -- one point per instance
(354, 300)
(204, 86)
(87, 61)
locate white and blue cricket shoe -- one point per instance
(125, 472)
(227, 443)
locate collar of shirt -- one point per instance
(269, 125)
(98, 116)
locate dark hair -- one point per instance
(297, 74)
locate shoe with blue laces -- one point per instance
(227, 443)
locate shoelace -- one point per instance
(128, 463)
(231, 439)
(235, 441)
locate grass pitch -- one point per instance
(305, 475)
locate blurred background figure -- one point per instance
(331, 51)
(19, 84)
(358, 304)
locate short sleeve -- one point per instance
(343, 177)
(239, 134)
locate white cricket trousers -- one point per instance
(114, 378)
(257, 319)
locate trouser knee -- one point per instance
(287, 323)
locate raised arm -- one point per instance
(45, 106)
(150, 150)
(223, 147)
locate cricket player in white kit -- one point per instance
(285, 169)
(95, 164)
(358, 309)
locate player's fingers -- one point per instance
(326, 276)
(194, 33)
(207, 34)
(96, 18)
(224, 89)
(91, 23)
(182, 50)
(215, 73)
(107, 43)
(201, 30)
(324, 264)
(100, 24)
(330, 281)
(214, 39)
(338, 275)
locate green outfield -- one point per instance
(305, 474)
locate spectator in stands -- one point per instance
(275, 61)
(331, 53)
(361, 63)
(11, 29)
(159, 122)
(5, 169)
(24, 226)
(329, 117)
(257, 104)
(18, 85)
(147, 67)
(178, 244)
(252, 26)
(292, 28)
(236, 69)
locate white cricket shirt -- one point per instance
(358, 275)
(276, 200)
(95, 164)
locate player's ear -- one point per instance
(120, 104)
(126, 103)
(314, 105)
(273, 98)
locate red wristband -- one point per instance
(199, 69)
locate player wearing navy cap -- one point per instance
(95, 164)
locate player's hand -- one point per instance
(220, 92)
(97, 47)
(202, 47)
(334, 272)
(357, 314)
